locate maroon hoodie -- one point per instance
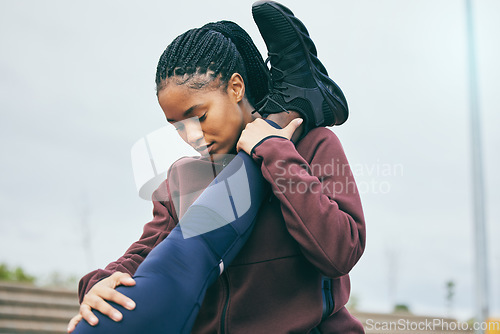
(311, 226)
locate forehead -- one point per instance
(175, 99)
(172, 95)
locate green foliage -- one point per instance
(450, 290)
(54, 279)
(4, 272)
(16, 274)
(401, 308)
(450, 293)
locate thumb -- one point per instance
(292, 126)
(126, 279)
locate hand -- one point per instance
(96, 299)
(285, 117)
(259, 129)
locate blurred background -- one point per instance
(77, 91)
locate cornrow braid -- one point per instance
(216, 50)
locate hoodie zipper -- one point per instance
(225, 283)
(327, 297)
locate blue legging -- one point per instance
(171, 282)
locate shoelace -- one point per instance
(262, 106)
(276, 89)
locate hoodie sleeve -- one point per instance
(164, 220)
(319, 198)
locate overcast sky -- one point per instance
(77, 91)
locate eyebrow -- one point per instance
(187, 112)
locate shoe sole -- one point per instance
(334, 107)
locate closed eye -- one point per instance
(180, 124)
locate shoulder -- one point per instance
(186, 175)
(170, 181)
(188, 166)
(318, 141)
(319, 135)
(190, 174)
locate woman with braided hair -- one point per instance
(260, 265)
(168, 295)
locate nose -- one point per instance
(194, 133)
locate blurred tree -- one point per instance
(401, 308)
(450, 293)
(16, 275)
(4, 272)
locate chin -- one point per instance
(222, 156)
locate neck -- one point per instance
(247, 109)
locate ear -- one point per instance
(236, 87)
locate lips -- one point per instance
(204, 149)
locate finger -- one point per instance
(127, 280)
(261, 122)
(292, 126)
(108, 310)
(118, 298)
(117, 277)
(87, 314)
(99, 303)
(73, 322)
(100, 293)
(102, 306)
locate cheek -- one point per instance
(226, 122)
(233, 124)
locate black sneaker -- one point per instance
(300, 82)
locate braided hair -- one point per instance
(216, 50)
